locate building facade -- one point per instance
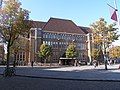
(58, 33)
(89, 35)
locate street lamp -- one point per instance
(35, 44)
(58, 40)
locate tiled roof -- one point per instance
(62, 25)
(86, 30)
(37, 24)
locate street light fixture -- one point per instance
(58, 40)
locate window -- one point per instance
(48, 42)
(20, 58)
(32, 32)
(39, 33)
(44, 35)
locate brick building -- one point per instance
(89, 35)
(58, 33)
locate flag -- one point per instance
(113, 13)
(114, 16)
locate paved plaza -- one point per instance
(72, 73)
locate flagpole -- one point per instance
(118, 18)
(115, 4)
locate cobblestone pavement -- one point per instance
(25, 83)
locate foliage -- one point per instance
(45, 51)
(102, 32)
(114, 52)
(19, 44)
(71, 51)
(97, 54)
(13, 23)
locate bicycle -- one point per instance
(8, 72)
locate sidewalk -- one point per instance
(71, 73)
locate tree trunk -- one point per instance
(8, 54)
(45, 61)
(14, 63)
(105, 64)
(50, 61)
(75, 63)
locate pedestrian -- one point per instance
(32, 62)
(95, 63)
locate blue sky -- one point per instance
(82, 12)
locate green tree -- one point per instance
(13, 23)
(71, 51)
(45, 52)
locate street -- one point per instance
(62, 78)
(27, 83)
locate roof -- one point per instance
(86, 30)
(62, 25)
(37, 24)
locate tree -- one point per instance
(97, 54)
(13, 23)
(114, 52)
(104, 33)
(103, 36)
(71, 51)
(20, 44)
(45, 52)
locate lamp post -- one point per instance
(35, 43)
(59, 52)
(75, 60)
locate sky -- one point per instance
(81, 12)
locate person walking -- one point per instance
(32, 63)
(95, 63)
